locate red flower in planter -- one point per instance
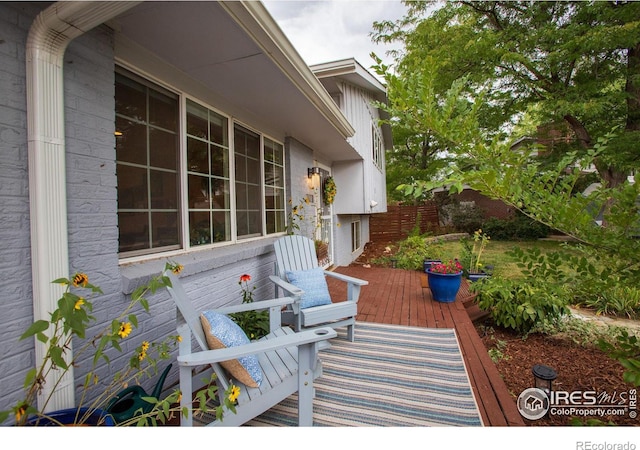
(450, 267)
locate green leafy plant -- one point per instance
(413, 250)
(254, 323)
(519, 304)
(70, 321)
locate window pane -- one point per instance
(199, 228)
(165, 229)
(199, 192)
(219, 161)
(254, 197)
(131, 98)
(133, 231)
(197, 118)
(163, 111)
(132, 187)
(131, 141)
(162, 151)
(221, 194)
(221, 226)
(218, 130)
(164, 190)
(197, 156)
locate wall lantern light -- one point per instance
(543, 377)
(311, 171)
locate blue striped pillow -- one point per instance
(314, 285)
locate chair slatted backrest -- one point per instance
(294, 253)
(188, 312)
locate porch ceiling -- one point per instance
(246, 61)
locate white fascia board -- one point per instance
(254, 18)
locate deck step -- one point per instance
(475, 313)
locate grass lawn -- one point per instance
(495, 254)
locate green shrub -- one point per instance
(519, 304)
(413, 250)
(519, 228)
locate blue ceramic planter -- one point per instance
(444, 286)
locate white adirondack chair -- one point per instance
(289, 361)
(296, 253)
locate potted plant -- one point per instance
(473, 249)
(444, 280)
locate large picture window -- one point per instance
(146, 166)
(155, 158)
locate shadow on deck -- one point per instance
(402, 297)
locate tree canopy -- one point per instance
(571, 69)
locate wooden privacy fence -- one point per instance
(399, 221)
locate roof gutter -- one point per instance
(48, 39)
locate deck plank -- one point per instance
(402, 297)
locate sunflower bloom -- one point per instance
(80, 279)
(142, 355)
(125, 329)
(145, 346)
(179, 338)
(20, 412)
(235, 392)
(79, 303)
(176, 269)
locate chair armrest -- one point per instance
(226, 354)
(286, 286)
(346, 278)
(256, 306)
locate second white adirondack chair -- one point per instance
(289, 361)
(298, 253)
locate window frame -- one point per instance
(184, 246)
(356, 235)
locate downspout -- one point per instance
(48, 39)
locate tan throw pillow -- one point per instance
(222, 332)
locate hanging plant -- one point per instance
(329, 190)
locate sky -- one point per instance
(329, 30)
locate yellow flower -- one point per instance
(79, 303)
(125, 329)
(20, 412)
(176, 269)
(179, 338)
(80, 279)
(142, 355)
(235, 392)
(145, 346)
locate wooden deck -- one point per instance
(402, 297)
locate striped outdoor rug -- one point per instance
(390, 376)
